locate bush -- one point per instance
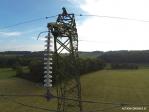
(19, 71)
(36, 71)
(124, 66)
(90, 65)
(66, 68)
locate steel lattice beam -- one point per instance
(65, 36)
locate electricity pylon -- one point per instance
(65, 40)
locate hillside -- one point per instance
(122, 56)
(129, 86)
(93, 54)
(82, 54)
(125, 56)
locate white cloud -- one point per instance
(114, 34)
(22, 47)
(9, 34)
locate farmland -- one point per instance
(117, 86)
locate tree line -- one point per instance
(125, 59)
(34, 62)
(84, 66)
(125, 56)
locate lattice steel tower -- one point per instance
(64, 34)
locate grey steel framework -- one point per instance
(64, 34)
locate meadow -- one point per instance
(116, 86)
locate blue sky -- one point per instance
(23, 37)
(95, 33)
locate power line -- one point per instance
(65, 98)
(46, 109)
(115, 17)
(84, 101)
(35, 107)
(105, 109)
(109, 108)
(90, 41)
(41, 108)
(31, 106)
(28, 21)
(113, 103)
(21, 95)
(48, 17)
(41, 33)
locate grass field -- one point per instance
(6, 73)
(129, 86)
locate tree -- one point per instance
(36, 70)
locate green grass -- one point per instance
(131, 86)
(13, 85)
(7, 73)
(144, 66)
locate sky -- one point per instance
(95, 33)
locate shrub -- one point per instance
(124, 66)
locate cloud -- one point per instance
(76, 1)
(22, 47)
(8, 34)
(114, 34)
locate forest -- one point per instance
(88, 62)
